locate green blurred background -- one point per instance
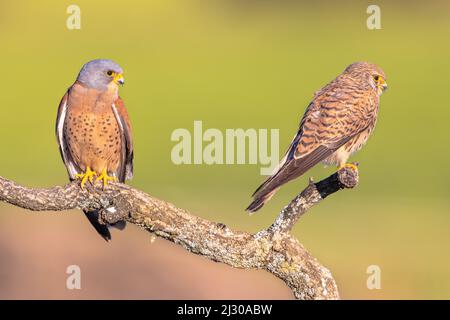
(231, 64)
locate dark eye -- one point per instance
(376, 77)
(109, 73)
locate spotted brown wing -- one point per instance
(125, 171)
(69, 162)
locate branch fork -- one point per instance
(274, 249)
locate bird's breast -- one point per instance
(92, 132)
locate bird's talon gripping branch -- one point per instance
(349, 165)
(104, 176)
(87, 176)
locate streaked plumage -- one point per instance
(336, 124)
(93, 129)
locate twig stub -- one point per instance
(346, 177)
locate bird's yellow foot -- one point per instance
(87, 176)
(104, 176)
(349, 165)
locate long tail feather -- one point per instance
(100, 228)
(259, 201)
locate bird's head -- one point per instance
(369, 74)
(101, 74)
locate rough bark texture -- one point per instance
(274, 249)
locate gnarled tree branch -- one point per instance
(274, 249)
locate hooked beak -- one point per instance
(118, 79)
(382, 85)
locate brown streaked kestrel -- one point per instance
(94, 132)
(336, 124)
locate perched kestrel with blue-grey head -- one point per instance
(336, 124)
(94, 132)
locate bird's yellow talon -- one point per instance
(349, 165)
(104, 176)
(87, 176)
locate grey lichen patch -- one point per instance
(263, 247)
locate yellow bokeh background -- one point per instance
(231, 64)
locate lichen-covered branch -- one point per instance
(274, 249)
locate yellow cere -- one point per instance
(118, 78)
